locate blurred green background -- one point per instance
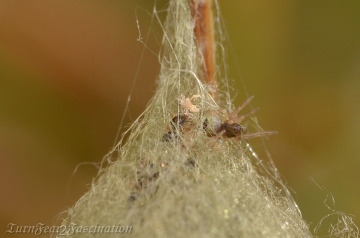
(66, 70)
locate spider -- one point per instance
(148, 173)
(178, 124)
(231, 127)
(182, 122)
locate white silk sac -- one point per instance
(178, 174)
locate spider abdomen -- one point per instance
(233, 129)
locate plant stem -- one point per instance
(202, 11)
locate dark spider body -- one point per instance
(233, 129)
(230, 129)
(178, 121)
(178, 124)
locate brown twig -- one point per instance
(202, 11)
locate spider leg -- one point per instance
(258, 134)
(234, 113)
(239, 119)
